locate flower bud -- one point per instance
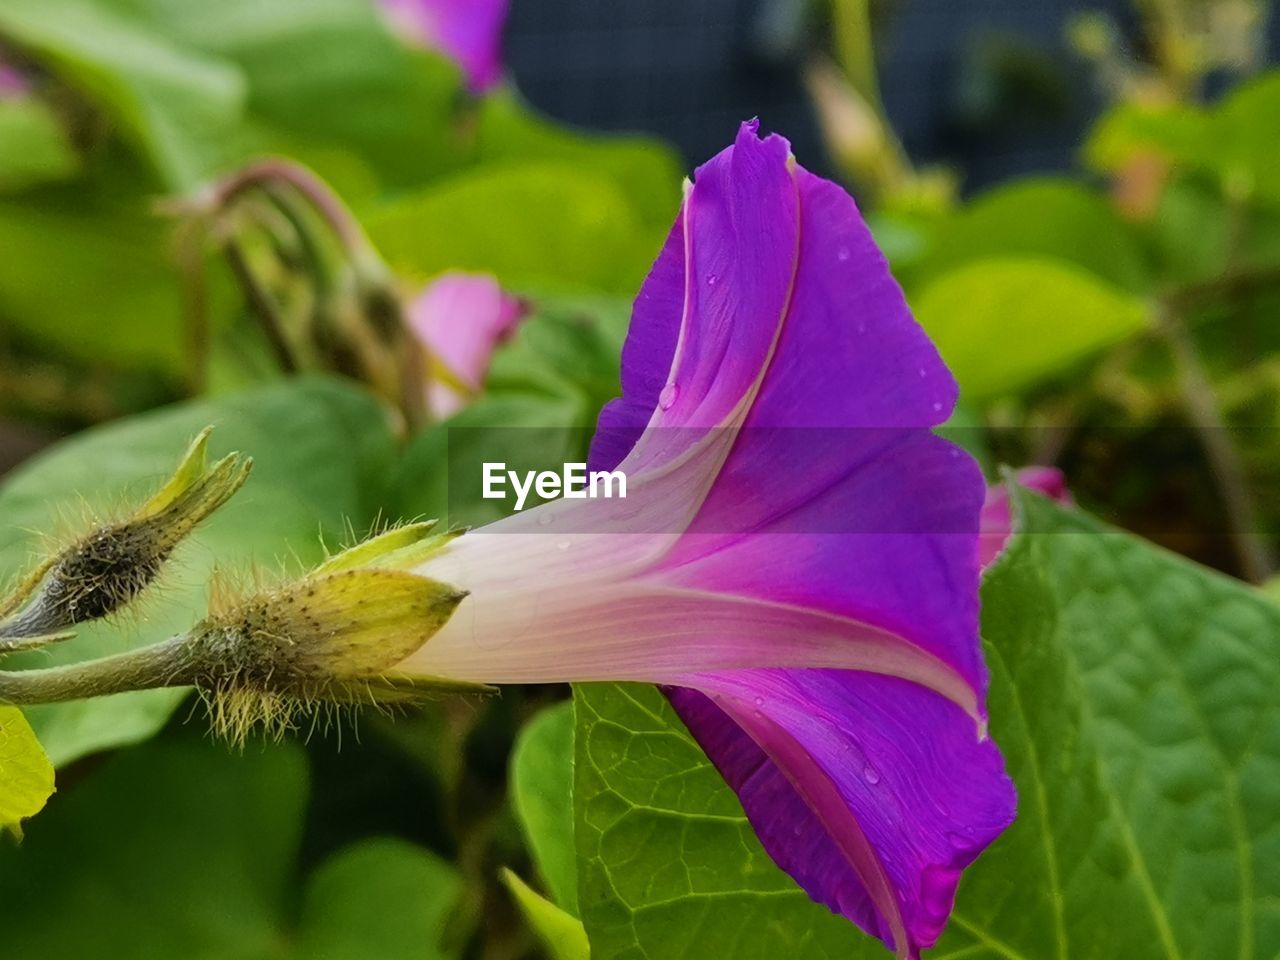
(333, 637)
(107, 569)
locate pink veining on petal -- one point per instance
(461, 318)
(996, 522)
(469, 32)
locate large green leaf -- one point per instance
(1047, 217)
(322, 454)
(26, 776)
(1136, 697)
(667, 864)
(184, 849)
(542, 791)
(1003, 324)
(544, 226)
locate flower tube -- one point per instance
(796, 561)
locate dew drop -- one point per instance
(843, 253)
(562, 545)
(759, 701)
(959, 841)
(871, 774)
(667, 398)
(923, 373)
(937, 406)
(711, 280)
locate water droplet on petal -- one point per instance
(667, 398)
(711, 280)
(937, 406)
(759, 701)
(562, 545)
(959, 841)
(923, 373)
(871, 774)
(843, 253)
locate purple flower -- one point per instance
(468, 32)
(795, 560)
(461, 318)
(996, 522)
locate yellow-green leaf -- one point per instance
(26, 776)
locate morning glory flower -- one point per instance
(796, 561)
(468, 32)
(461, 318)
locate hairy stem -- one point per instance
(165, 664)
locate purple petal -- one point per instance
(870, 791)
(461, 318)
(469, 32)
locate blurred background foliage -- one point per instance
(1116, 318)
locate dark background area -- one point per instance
(989, 86)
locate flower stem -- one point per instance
(263, 305)
(1256, 561)
(165, 664)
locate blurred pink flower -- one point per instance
(13, 82)
(995, 525)
(468, 32)
(461, 318)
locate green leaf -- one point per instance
(542, 793)
(181, 848)
(179, 108)
(561, 933)
(33, 145)
(325, 72)
(26, 776)
(667, 864)
(1046, 217)
(644, 169)
(1234, 140)
(322, 453)
(1136, 698)
(1005, 324)
(381, 898)
(542, 226)
(91, 279)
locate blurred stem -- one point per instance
(1256, 561)
(855, 48)
(261, 303)
(275, 171)
(189, 253)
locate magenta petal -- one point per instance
(469, 32)
(871, 792)
(996, 524)
(461, 318)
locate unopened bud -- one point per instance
(333, 637)
(108, 569)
